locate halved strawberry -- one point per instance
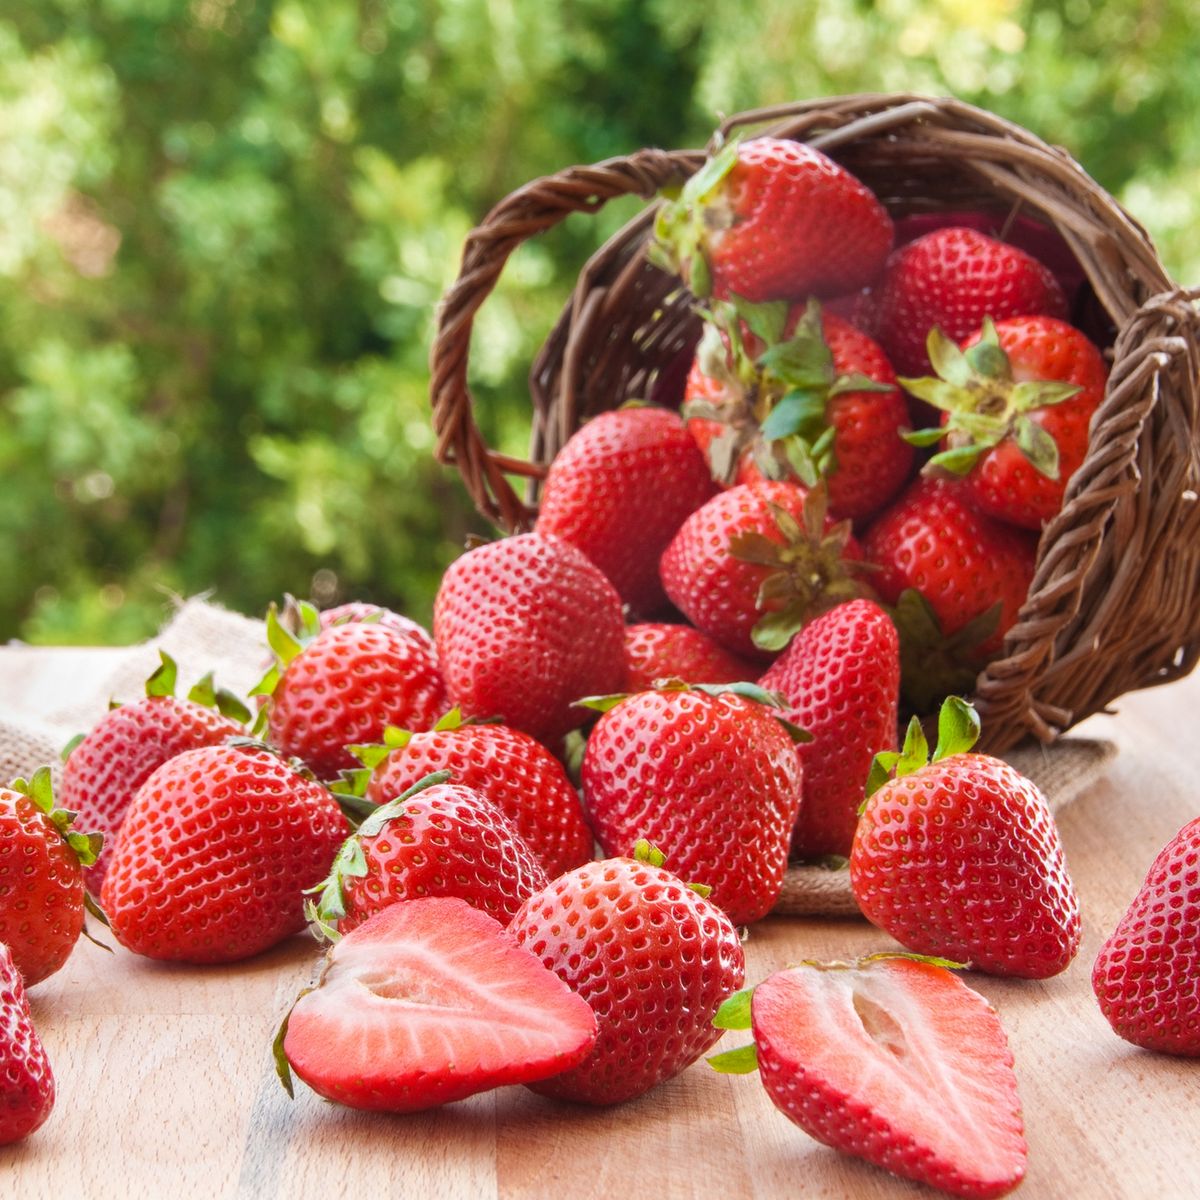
(427, 1002)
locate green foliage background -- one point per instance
(224, 225)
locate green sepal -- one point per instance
(700, 186)
(355, 808)
(164, 677)
(267, 684)
(87, 846)
(283, 1069)
(958, 728)
(703, 890)
(923, 437)
(799, 735)
(744, 688)
(646, 852)
(67, 750)
(39, 789)
(1038, 446)
(208, 695)
(92, 906)
(948, 964)
(766, 321)
(602, 704)
(959, 460)
(913, 755)
(447, 721)
(742, 1061)
(857, 382)
(370, 754)
(387, 812)
(794, 412)
(734, 1012)
(939, 393)
(284, 644)
(774, 630)
(946, 359)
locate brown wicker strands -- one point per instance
(1115, 602)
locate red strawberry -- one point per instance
(772, 219)
(1016, 403)
(432, 839)
(712, 780)
(756, 562)
(215, 853)
(960, 857)
(507, 767)
(104, 770)
(652, 958)
(840, 679)
(26, 1082)
(680, 652)
(778, 392)
(1147, 974)
(895, 1061)
(526, 626)
(953, 278)
(41, 877)
(428, 1002)
(618, 491)
(347, 685)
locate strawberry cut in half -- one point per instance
(428, 1002)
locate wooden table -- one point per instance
(166, 1085)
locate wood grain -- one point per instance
(166, 1086)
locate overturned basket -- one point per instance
(1115, 600)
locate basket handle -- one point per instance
(534, 208)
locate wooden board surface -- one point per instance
(166, 1086)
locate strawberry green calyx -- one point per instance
(40, 791)
(985, 405)
(283, 1069)
(958, 731)
(371, 754)
(648, 853)
(734, 1013)
(285, 646)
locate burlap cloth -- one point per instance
(202, 637)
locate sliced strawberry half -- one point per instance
(427, 1002)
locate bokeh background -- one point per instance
(224, 225)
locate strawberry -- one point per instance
(618, 491)
(959, 856)
(1147, 974)
(526, 626)
(215, 852)
(105, 768)
(1016, 403)
(840, 680)
(778, 392)
(679, 652)
(428, 1002)
(953, 278)
(355, 612)
(893, 1060)
(709, 777)
(347, 685)
(41, 877)
(433, 839)
(772, 219)
(505, 766)
(652, 958)
(26, 1081)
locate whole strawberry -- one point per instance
(104, 770)
(618, 491)
(1016, 403)
(756, 562)
(26, 1082)
(42, 859)
(215, 854)
(869, 1058)
(652, 958)
(960, 857)
(526, 626)
(772, 219)
(507, 767)
(433, 839)
(654, 651)
(840, 680)
(347, 685)
(1147, 974)
(709, 777)
(953, 279)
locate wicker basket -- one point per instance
(1115, 600)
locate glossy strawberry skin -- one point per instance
(619, 489)
(509, 768)
(652, 958)
(41, 889)
(797, 224)
(953, 278)
(1003, 483)
(346, 686)
(961, 561)
(447, 840)
(120, 752)
(841, 680)
(1147, 974)
(215, 853)
(358, 611)
(657, 651)
(26, 1081)
(711, 781)
(525, 627)
(962, 860)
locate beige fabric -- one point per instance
(1062, 771)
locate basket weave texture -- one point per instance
(1115, 600)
